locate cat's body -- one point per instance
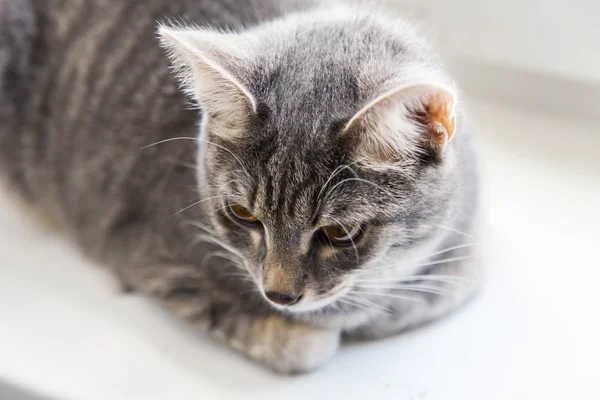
(85, 88)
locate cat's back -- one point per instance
(84, 85)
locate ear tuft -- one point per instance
(406, 121)
(437, 119)
(211, 66)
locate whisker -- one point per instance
(393, 296)
(332, 251)
(239, 277)
(357, 180)
(169, 140)
(447, 249)
(202, 226)
(409, 278)
(183, 163)
(377, 258)
(353, 304)
(231, 249)
(214, 240)
(203, 200)
(335, 172)
(336, 306)
(351, 240)
(442, 261)
(414, 288)
(194, 204)
(467, 235)
(217, 210)
(203, 141)
(227, 256)
(369, 304)
(457, 247)
(234, 252)
(240, 274)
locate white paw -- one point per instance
(291, 348)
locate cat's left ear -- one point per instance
(212, 67)
(406, 121)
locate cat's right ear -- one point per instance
(407, 121)
(211, 68)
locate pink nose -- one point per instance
(283, 299)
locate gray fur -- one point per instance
(87, 94)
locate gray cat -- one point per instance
(320, 187)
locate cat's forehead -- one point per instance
(317, 74)
(311, 96)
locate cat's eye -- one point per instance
(241, 213)
(341, 236)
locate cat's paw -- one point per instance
(292, 348)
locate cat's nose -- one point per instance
(283, 299)
(281, 283)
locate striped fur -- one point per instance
(95, 132)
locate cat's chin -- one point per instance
(308, 306)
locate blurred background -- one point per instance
(529, 71)
(540, 54)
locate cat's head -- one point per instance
(325, 146)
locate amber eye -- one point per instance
(342, 236)
(241, 213)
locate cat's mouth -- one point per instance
(311, 301)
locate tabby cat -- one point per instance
(313, 181)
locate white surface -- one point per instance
(532, 334)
